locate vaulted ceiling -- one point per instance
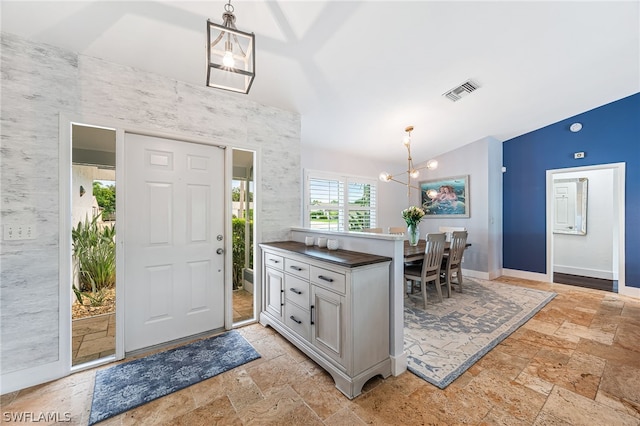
(359, 72)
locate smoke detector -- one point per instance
(462, 90)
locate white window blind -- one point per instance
(339, 203)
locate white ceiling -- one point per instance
(359, 72)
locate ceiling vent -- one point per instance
(462, 90)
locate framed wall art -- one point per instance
(445, 197)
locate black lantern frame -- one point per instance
(226, 42)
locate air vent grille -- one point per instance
(462, 90)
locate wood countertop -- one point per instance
(345, 258)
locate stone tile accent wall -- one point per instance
(39, 82)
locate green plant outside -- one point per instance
(238, 231)
(94, 251)
(106, 198)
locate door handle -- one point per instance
(220, 251)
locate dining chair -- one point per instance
(429, 270)
(448, 230)
(397, 230)
(452, 261)
(373, 230)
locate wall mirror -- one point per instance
(570, 206)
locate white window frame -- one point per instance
(344, 207)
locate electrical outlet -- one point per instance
(19, 232)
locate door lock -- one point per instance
(220, 251)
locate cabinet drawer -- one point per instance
(328, 279)
(274, 261)
(297, 291)
(297, 268)
(298, 320)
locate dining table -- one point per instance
(415, 253)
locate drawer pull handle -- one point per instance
(323, 278)
(295, 320)
(295, 268)
(312, 314)
(295, 291)
(274, 261)
(281, 294)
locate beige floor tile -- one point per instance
(497, 416)
(511, 397)
(588, 374)
(541, 326)
(218, 411)
(503, 364)
(319, 392)
(575, 409)
(281, 405)
(161, 410)
(544, 341)
(622, 382)
(575, 332)
(534, 382)
(344, 417)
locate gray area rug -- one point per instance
(131, 384)
(449, 337)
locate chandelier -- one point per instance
(230, 54)
(412, 172)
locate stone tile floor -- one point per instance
(576, 362)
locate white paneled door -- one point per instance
(564, 211)
(174, 223)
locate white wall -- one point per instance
(589, 255)
(482, 161)
(392, 197)
(39, 82)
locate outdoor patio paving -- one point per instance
(93, 338)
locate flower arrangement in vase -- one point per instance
(412, 216)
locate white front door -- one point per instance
(174, 223)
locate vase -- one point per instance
(414, 234)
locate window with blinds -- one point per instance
(339, 203)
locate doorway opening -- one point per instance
(585, 226)
(242, 200)
(93, 178)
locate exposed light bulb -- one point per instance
(227, 59)
(384, 177)
(414, 173)
(432, 193)
(406, 141)
(432, 164)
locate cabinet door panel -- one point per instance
(274, 283)
(328, 327)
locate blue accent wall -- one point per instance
(610, 134)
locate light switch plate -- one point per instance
(19, 232)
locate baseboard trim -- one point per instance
(526, 275)
(584, 272)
